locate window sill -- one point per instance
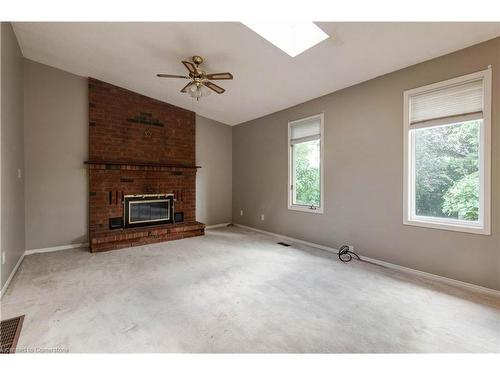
(448, 226)
(305, 209)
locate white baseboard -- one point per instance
(431, 276)
(56, 248)
(217, 226)
(291, 239)
(11, 276)
(447, 280)
(35, 251)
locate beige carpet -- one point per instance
(236, 290)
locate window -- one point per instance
(305, 162)
(447, 154)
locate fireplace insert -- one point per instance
(148, 209)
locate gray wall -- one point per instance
(214, 179)
(12, 196)
(364, 174)
(56, 145)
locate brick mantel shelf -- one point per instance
(125, 164)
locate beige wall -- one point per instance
(214, 178)
(56, 145)
(364, 174)
(12, 197)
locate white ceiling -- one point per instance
(266, 79)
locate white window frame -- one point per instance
(291, 205)
(409, 217)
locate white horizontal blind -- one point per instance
(455, 103)
(305, 130)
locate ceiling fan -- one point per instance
(200, 82)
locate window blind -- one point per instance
(456, 103)
(305, 130)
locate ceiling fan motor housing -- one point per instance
(198, 60)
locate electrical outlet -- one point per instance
(351, 248)
(241, 212)
(262, 217)
(3, 257)
(19, 173)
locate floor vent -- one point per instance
(284, 244)
(10, 330)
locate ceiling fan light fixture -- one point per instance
(291, 37)
(196, 91)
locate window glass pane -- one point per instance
(306, 163)
(447, 171)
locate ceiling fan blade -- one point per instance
(171, 76)
(214, 87)
(191, 67)
(185, 87)
(220, 76)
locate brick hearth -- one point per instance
(138, 145)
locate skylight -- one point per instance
(291, 37)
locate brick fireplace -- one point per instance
(141, 152)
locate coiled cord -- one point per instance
(345, 255)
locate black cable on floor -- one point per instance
(345, 255)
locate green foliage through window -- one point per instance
(307, 173)
(447, 171)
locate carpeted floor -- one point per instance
(235, 290)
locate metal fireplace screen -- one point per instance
(147, 209)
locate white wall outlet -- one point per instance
(19, 173)
(351, 248)
(262, 217)
(241, 212)
(3, 257)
